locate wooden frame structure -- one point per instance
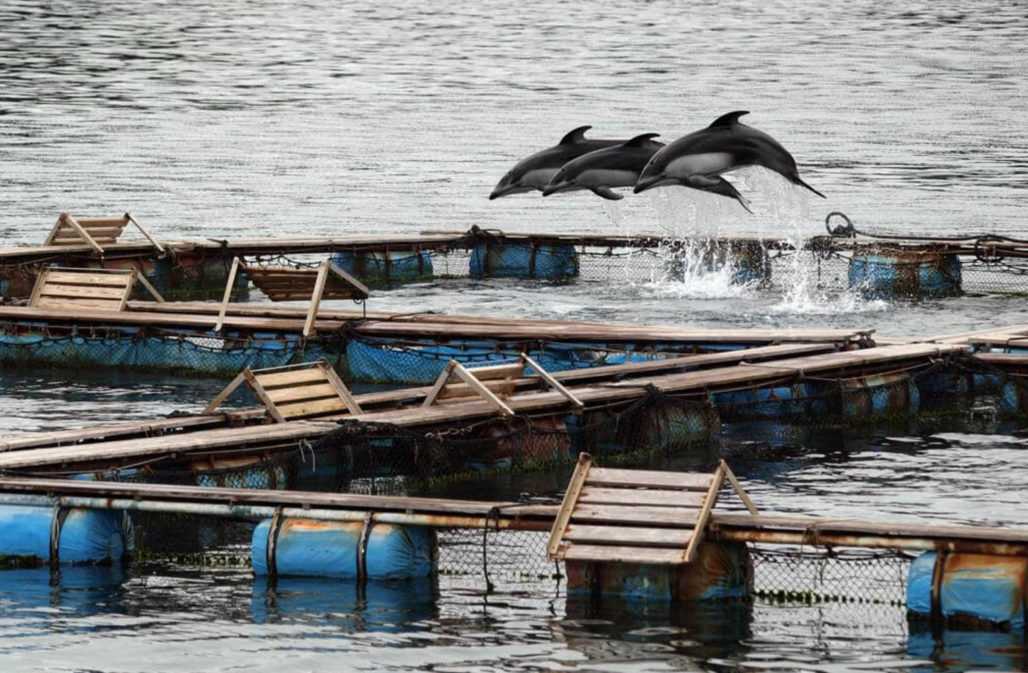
(486, 382)
(286, 283)
(294, 391)
(637, 516)
(94, 289)
(95, 232)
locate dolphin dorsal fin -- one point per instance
(729, 119)
(639, 139)
(574, 136)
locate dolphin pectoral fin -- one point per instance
(607, 193)
(799, 181)
(716, 184)
(728, 119)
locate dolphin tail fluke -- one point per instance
(799, 181)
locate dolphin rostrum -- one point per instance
(698, 159)
(599, 170)
(534, 172)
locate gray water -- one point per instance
(260, 119)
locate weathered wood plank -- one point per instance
(638, 496)
(628, 535)
(311, 408)
(83, 291)
(65, 303)
(612, 554)
(494, 372)
(291, 378)
(682, 517)
(649, 479)
(311, 392)
(91, 277)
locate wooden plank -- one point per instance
(681, 517)
(628, 535)
(484, 392)
(91, 277)
(563, 517)
(311, 408)
(701, 521)
(454, 390)
(37, 287)
(146, 233)
(319, 290)
(495, 372)
(71, 303)
(355, 285)
(290, 378)
(293, 394)
(638, 496)
(611, 554)
(554, 383)
(739, 490)
(149, 287)
(101, 222)
(107, 431)
(262, 395)
(440, 382)
(69, 220)
(229, 284)
(341, 389)
(225, 392)
(52, 289)
(693, 481)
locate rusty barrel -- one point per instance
(968, 590)
(898, 273)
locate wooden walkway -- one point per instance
(595, 387)
(430, 327)
(252, 504)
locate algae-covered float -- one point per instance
(82, 317)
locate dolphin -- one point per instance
(599, 170)
(532, 173)
(696, 160)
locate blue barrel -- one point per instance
(542, 261)
(85, 536)
(905, 274)
(770, 402)
(880, 396)
(1013, 399)
(378, 268)
(309, 548)
(267, 476)
(975, 589)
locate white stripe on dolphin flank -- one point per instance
(708, 163)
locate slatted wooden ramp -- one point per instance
(636, 516)
(294, 392)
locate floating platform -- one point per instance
(688, 392)
(890, 267)
(638, 535)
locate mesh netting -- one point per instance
(159, 350)
(813, 574)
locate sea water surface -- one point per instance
(263, 119)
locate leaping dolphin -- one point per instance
(698, 159)
(534, 172)
(599, 170)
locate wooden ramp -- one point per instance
(286, 283)
(636, 516)
(294, 392)
(92, 289)
(95, 232)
